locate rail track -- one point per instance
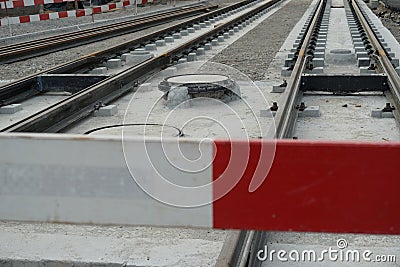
(28, 49)
(80, 104)
(241, 246)
(25, 88)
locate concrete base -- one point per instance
(177, 35)
(398, 71)
(316, 70)
(377, 113)
(101, 70)
(365, 70)
(123, 56)
(359, 49)
(311, 111)
(318, 62)
(170, 71)
(267, 113)
(169, 39)
(150, 47)
(106, 111)
(160, 43)
(363, 62)
(285, 72)
(140, 51)
(362, 55)
(319, 55)
(192, 57)
(10, 109)
(395, 62)
(114, 63)
(136, 59)
(182, 60)
(278, 89)
(200, 51)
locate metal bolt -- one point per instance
(388, 108)
(274, 106)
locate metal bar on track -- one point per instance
(393, 77)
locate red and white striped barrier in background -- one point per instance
(24, 3)
(61, 14)
(312, 186)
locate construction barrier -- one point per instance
(311, 186)
(58, 15)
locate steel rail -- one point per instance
(80, 105)
(388, 68)
(24, 50)
(240, 246)
(25, 87)
(286, 114)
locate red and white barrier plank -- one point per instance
(313, 186)
(62, 14)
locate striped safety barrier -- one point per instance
(312, 186)
(25, 3)
(63, 14)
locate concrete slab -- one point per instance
(106, 111)
(150, 47)
(311, 111)
(10, 109)
(100, 70)
(318, 62)
(114, 63)
(363, 62)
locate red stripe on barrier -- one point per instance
(112, 6)
(62, 14)
(125, 3)
(96, 10)
(39, 2)
(44, 16)
(24, 19)
(315, 187)
(18, 4)
(80, 13)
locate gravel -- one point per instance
(390, 19)
(23, 68)
(253, 53)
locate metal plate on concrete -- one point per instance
(344, 83)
